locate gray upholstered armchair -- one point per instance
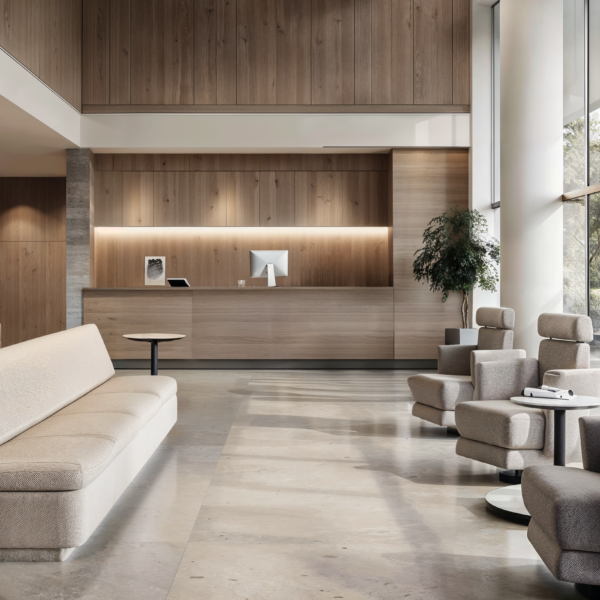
(498, 432)
(437, 395)
(564, 504)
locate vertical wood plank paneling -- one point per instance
(20, 31)
(333, 51)
(138, 199)
(433, 52)
(120, 52)
(276, 199)
(55, 300)
(172, 199)
(293, 52)
(9, 293)
(402, 74)
(392, 52)
(96, 51)
(32, 290)
(60, 48)
(256, 52)
(362, 51)
(426, 183)
(243, 199)
(162, 52)
(382, 52)
(104, 162)
(108, 199)
(205, 51)
(319, 199)
(208, 199)
(171, 162)
(226, 52)
(461, 52)
(133, 162)
(54, 191)
(365, 199)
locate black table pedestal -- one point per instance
(560, 437)
(154, 357)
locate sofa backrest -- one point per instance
(41, 376)
(567, 347)
(496, 332)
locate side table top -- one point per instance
(577, 402)
(154, 337)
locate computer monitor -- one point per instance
(269, 263)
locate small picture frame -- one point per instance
(154, 271)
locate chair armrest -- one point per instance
(583, 382)
(500, 380)
(589, 428)
(455, 360)
(479, 356)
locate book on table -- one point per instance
(547, 392)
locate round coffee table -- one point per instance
(154, 339)
(507, 502)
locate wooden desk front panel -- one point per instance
(117, 313)
(293, 324)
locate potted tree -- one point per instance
(458, 255)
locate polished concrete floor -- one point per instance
(291, 485)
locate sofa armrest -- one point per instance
(479, 356)
(589, 428)
(583, 382)
(455, 360)
(500, 380)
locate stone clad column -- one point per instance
(531, 78)
(80, 230)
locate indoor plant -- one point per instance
(458, 255)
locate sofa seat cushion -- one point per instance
(443, 392)
(565, 502)
(70, 449)
(502, 423)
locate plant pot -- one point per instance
(461, 337)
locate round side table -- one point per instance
(507, 502)
(154, 339)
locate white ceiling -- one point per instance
(28, 148)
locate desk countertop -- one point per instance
(160, 288)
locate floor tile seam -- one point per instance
(208, 487)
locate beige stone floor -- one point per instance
(290, 485)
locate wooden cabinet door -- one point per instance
(333, 51)
(162, 52)
(318, 199)
(433, 51)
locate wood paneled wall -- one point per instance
(46, 36)
(218, 257)
(32, 257)
(215, 55)
(251, 190)
(426, 183)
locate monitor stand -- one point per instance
(271, 276)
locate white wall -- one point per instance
(531, 55)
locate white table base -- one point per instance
(507, 502)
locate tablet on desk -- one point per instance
(178, 282)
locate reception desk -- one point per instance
(252, 323)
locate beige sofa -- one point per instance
(72, 438)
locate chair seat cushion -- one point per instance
(68, 450)
(565, 502)
(502, 423)
(443, 392)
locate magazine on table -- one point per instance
(549, 393)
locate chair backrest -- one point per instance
(496, 332)
(567, 346)
(41, 376)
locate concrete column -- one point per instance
(480, 193)
(80, 231)
(531, 57)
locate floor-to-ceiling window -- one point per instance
(581, 144)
